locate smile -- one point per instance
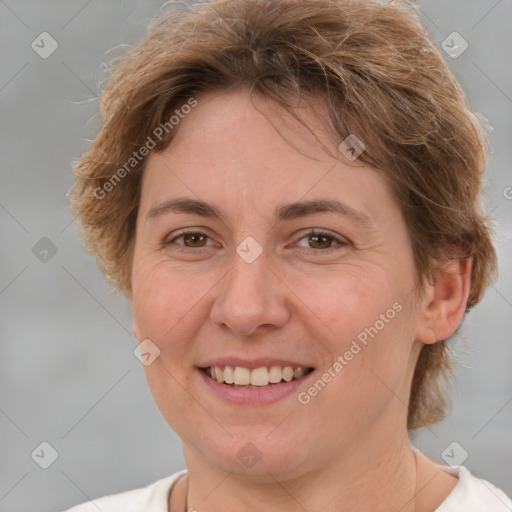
(239, 376)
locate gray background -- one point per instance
(68, 375)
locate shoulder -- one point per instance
(152, 498)
(472, 493)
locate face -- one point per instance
(274, 256)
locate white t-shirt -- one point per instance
(470, 494)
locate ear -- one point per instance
(444, 301)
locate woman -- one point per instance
(288, 194)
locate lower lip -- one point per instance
(251, 396)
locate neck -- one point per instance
(380, 477)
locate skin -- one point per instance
(197, 299)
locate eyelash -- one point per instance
(341, 243)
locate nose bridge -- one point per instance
(250, 295)
(248, 275)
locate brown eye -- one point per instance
(190, 240)
(320, 241)
(194, 239)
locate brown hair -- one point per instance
(383, 81)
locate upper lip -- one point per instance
(253, 363)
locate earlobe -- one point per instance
(445, 300)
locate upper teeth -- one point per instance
(241, 376)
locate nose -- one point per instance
(250, 298)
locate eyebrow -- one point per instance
(284, 212)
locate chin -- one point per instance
(257, 453)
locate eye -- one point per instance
(191, 240)
(320, 240)
(316, 240)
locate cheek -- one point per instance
(164, 300)
(165, 307)
(371, 328)
(349, 300)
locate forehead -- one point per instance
(247, 152)
(234, 124)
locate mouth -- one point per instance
(256, 378)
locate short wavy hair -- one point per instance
(382, 79)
